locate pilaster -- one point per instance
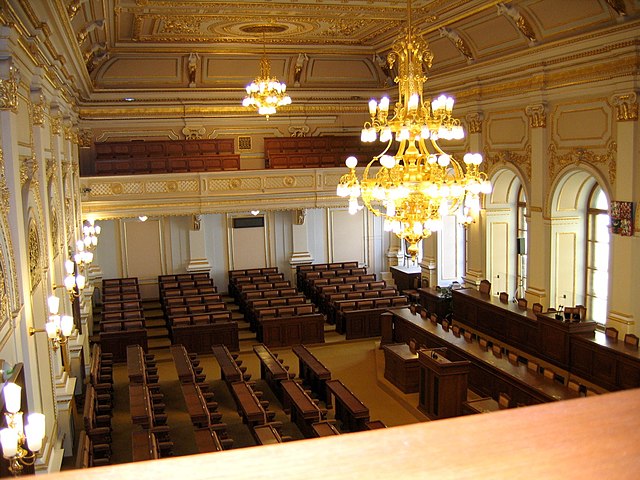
(198, 261)
(624, 252)
(300, 241)
(538, 229)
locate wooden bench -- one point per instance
(325, 428)
(313, 372)
(303, 410)
(271, 369)
(349, 410)
(267, 434)
(249, 406)
(229, 370)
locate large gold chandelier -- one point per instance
(266, 93)
(419, 184)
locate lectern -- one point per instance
(443, 384)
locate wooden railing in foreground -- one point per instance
(593, 437)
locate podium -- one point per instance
(443, 384)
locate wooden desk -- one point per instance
(135, 364)
(406, 278)
(182, 363)
(207, 440)
(199, 338)
(144, 446)
(349, 410)
(196, 406)
(288, 331)
(443, 383)
(248, 404)
(266, 434)
(609, 362)
(434, 302)
(271, 369)
(229, 371)
(374, 425)
(313, 372)
(324, 429)
(140, 405)
(505, 322)
(401, 367)
(555, 337)
(481, 405)
(303, 410)
(488, 375)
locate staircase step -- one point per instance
(158, 343)
(157, 333)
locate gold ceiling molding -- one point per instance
(38, 107)
(99, 112)
(579, 156)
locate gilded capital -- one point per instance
(85, 137)
(56, 124)
(474, 122)
(9, 90)
(38, 106)
(537, 115)
(28, 170)
(626, 106)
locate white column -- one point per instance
(394, 256)
(429, 263)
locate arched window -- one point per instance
(597, 250)
(521, 242)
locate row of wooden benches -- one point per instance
(147, 408)
(210, 433)
(94, 446)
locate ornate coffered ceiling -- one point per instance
(325, 49)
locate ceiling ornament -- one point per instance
(520, 21)
(458, 42)
(266, 93)
(418, 185)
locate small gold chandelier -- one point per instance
(266, 93)
(419, 184)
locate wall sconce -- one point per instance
(73, 282)
(58, 328)
(20, 443)
(90, 232)
(83, 256)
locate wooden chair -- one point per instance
(504, 297)
(533, 366)
(413, 345)
(468, 336)
(485, 287)
(513, 358)
(549, 374)
(504, 400)
(522, 303)
(456, 330)
(631, 339)
(573, 386)
(611, 332)
(484, 344)
(497, 351)
(536, 307)
(445, 325)
(434, 318)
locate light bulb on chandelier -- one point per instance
(419, 184)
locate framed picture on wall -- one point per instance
(621, 215)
